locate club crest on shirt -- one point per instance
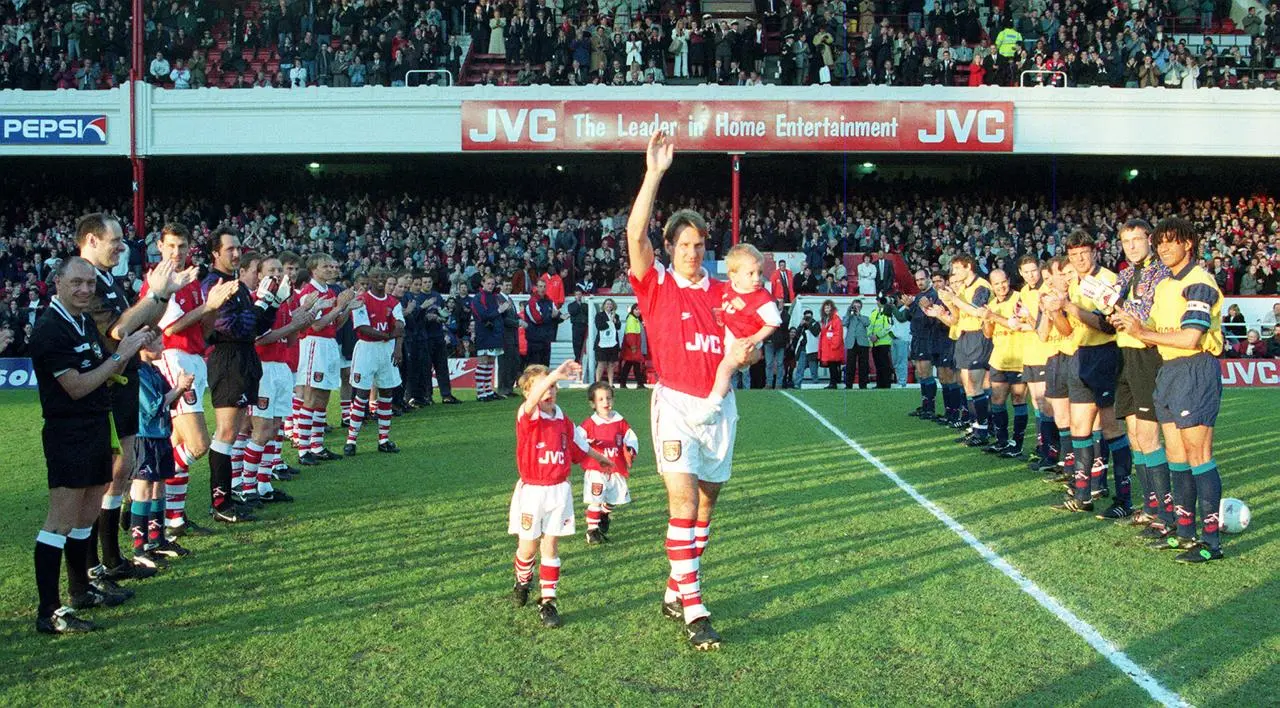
(617, 440)
(564, 441)
(263, 403)
(597, 489)
(97, 350)
(718, 313)
(671, 450)
(526, 521)
(189, 397)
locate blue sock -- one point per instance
(139, 511)
(1066, 454)
(1209, 491)
(1121, 467)
(1080, 481)
(1184, 499)
(155, 527)
(1149, 499)
(1158, 471)
(928, 392)
(1048, 435)
(1000, 425)
(1019, 424)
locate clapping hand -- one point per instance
(132, 343)
(222, 292)
(165, 279)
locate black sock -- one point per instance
(1150, 502)
(1049, 438)
(109, 536)
(1184, 499)
(1209, 491)
(220, 479)
(1158, 471)
(1121, 469)
(94, 560)
(139, 512)
(78, 553)
(1000, 425)
(48, 558)
(1019, 424)
(1065, 450)
(1080, 481)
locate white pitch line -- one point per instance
(1085, 630)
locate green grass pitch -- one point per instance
(388, 580)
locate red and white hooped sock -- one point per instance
(549, 577)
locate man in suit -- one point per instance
(782, 283)
(885, 281)
(509, 367)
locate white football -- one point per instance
(1234, 515)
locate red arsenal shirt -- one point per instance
(746, 313)
(547, 446)
(608, 437)
(685, 339)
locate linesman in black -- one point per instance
(73, 369)
(101, 242)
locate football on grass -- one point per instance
(1234, 515)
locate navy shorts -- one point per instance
(155, 460)
(1093, 375)
(920, 350)
(1136, 389)
(1055, 376)
(1034, 373)
(973, 351)
(124, 405)
(1189, 391)
(1006, 377)
(77, 451)
(944, 354)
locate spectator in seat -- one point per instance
(1250, 347)
(88, 75)
(356, 72)
(654, 74)
(1252, 23)
(1148, 73)
(1233, 325)
(180, 75)
(298, 76)
(160, 68)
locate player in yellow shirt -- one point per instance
(1135, 391)
(1091, 381)
(1061, 347)
(969, 301)
(1185, 326)
(1002, 326)
(1035, 355)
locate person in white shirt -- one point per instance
(160, 67)
(180, 76)
(298, 76)
(866, 278)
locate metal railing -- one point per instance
(446, 72)
(1054, 74)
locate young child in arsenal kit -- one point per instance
(749, 314)
(547, 446)
(609, 434)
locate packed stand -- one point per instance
(1178, 44)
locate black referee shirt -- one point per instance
(61, 342)
(110, 300)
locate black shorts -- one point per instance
(973, 351)
(77, 451)
(1034, 373)
(608, 355)
(1006, 377)
(1136, 389)
(944, 354)
(1055, 376)
(1093, 375)
(1189, 391)
(124, 405)
(155, 460)
(234, 372)
(920, 350)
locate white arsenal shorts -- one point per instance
(275, 391)
(371, 366)
(705, 451)
(319, 363)
(175, 362)
(605, 488)
(541, 509)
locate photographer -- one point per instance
(857, 344)
(807, 354)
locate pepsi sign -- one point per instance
(53, 130)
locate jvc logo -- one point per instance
(948, 121)
(551, 458)
(540, 123)
(704, 343)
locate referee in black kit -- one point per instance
(73, 368)
(100, 240)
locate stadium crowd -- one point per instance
(47, 44)
(459, 239)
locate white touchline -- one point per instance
(1086, 631)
